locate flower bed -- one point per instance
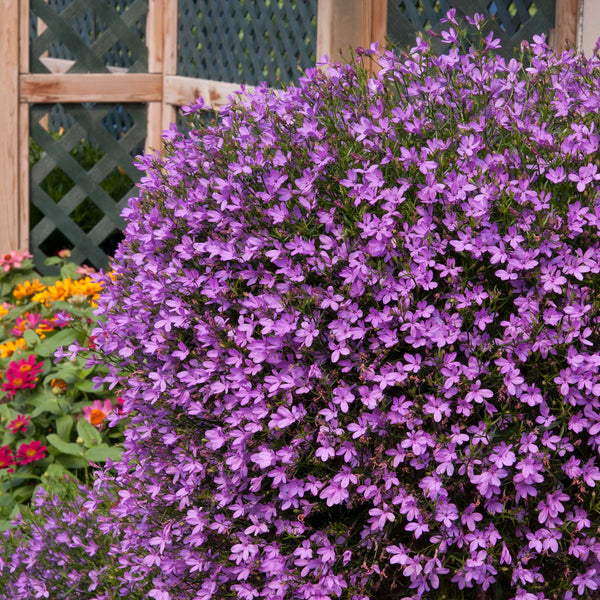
(52, 421)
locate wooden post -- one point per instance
(9, 127)
(564, 35)
(170, 13)
(155, 40)
(344, 25)
(23, 131)
(590, 32)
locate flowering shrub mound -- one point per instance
(357, 321)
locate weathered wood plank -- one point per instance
(591, 27)
(170, 27)
(9, 126)
(155, 36)
(184, 90)
(344, 25)
(564, 34)
(91, 87)
(155, 32)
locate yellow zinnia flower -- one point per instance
(9, 348)
(28, 288)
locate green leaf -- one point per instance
(23, 493)
(71, 462)
(5, 524)
(50, 404)
(102, 452)
(8, 438)
(64, 447)
(88, 386)
(56, 469)
(91, 436)
(49, 346)
(31, 337)
(64, 424)
(67, 372)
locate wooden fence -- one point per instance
(140, 100)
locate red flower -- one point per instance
(25, 367)
(22, 374)
(30, 452)
(6, 458)
(19, 424)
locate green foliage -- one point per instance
(38, 317)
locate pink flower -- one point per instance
(19, 424)
(7, 458)
(97, 412)
(29, 452)
(13, 259)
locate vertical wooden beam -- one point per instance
(344, 25)
(170, 28)
(155, 36)
(23, 135)
(590, 32)
(9, 126)
(565, 34)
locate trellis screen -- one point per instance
(512, 21)
(244, 41)
(81, 177)
(81, 155)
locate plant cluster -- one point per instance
(358, 322)
(52, 421)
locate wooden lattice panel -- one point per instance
(512, 21)
(81, 178)
(246, 41)
(95, 36)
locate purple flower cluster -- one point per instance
(357, 322)
(61, 549)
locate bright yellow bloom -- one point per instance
(64, 289)
(9, 348)
(28, 288)
(3, 311)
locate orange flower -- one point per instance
(10, 347)
(28, 288)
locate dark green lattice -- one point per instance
(81, 177)
(512, 21)
(95, 34)
(247, 41)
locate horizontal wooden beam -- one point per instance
(184, 90)
(91, 87)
